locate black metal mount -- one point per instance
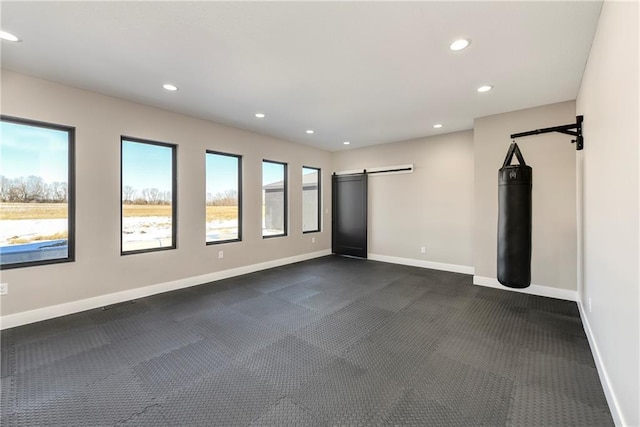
(364, 171)
(566, 129)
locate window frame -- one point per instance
(174, 194)
(318, 228)
(240, 203)
(285, 215)
(71, 191)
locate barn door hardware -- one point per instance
(566, 129)
(407, 169)
(390, 170)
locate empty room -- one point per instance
(229, 213)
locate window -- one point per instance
(148, 196)
(36, 193)
(224, 197)
(274, 199)
(310, 199)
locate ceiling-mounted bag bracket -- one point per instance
(574, 129)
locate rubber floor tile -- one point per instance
(8, 365)
(396, 362)
(559, 323)
(230, 397)
(549, 373)
(292, 319)
(329, 341)
(151, 416)
(235, 295)
(128, 308)
(416, 411)
(138, 324)
(46, 329)
(294, 293)
(35, 386)
(138, 349)
(285, 413)
(262, 306)
(180, 368)
(287, 364)
(325, 303)
(105, 402)
(533, 406)
(232, 332)
(386, 300)
(60, 346)
(345, 394)
(489, 355)
(475, 393)
(337, 332)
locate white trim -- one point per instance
(381, 168)
(421, 263)
(31, 316)
(614, 407)
(540, 290)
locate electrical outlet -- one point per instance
(589, 303)
(313, 240)
(4, 288)
(423, 250)
(221, 254)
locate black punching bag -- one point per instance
(514, 221)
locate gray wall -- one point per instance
(432, 207)
(610, 283)
(552, 157)
(99, 269)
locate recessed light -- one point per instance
(346, 143)
(260, 115)
(485, 88)
(9, 37)
(460, 44)
(438, 125)
(170, 87)
(309, 131)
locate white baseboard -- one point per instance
(37, 315)
(543, 291)
(614, 407)
(420, 263)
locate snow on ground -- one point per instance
(145, 228)
(222, 230)
(30, 228)
(135, 230)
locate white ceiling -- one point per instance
(365, 72)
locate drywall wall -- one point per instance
(431, 207)
(552, 157)
(99, 268)
(608, 99)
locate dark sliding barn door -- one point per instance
(349, 215)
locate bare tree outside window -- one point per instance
(36, 205)
(148, 196)
(223, 197)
